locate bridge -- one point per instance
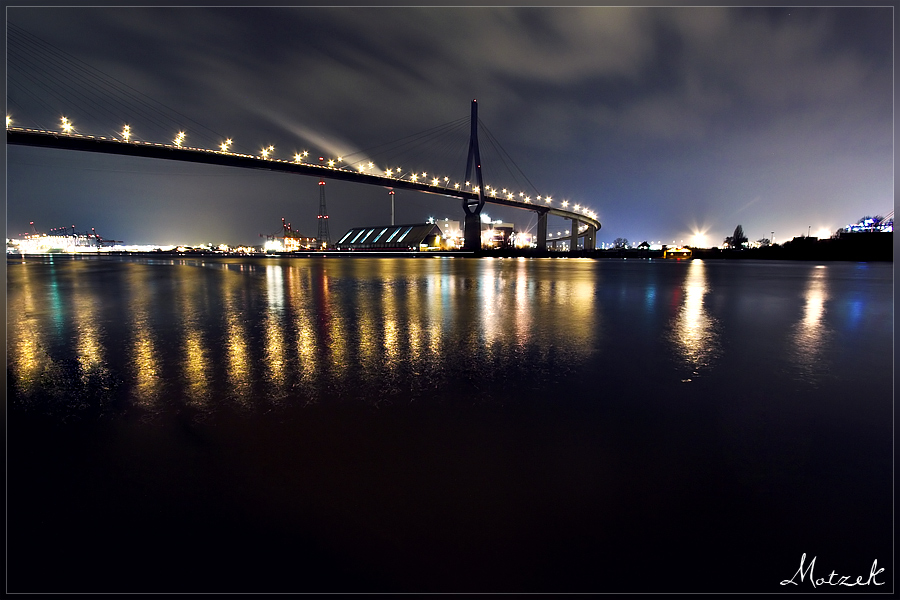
(43, 79)
(584, 222)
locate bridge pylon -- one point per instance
(323, 236)
(472, 207)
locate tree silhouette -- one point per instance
(620, 242)
(737, 239)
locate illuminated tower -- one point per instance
(323, 238)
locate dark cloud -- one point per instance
(661, 119)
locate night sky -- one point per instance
(667, 122)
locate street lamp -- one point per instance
(391, 194)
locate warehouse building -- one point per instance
(415, 237)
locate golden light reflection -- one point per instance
(29, 361)
(523, 312)
(391, 341)
(427, 316)
(237, 352)
(492, 302)
(693, 330)
(195, 359)
(144, 356)
(195, 368)
(146, 368)
(332, 326)
(275, 353)
(575, 313)
(277, 344)
(306, 341)
(307, 348)
(390, 333)
(367, 334)
(810, 332)
(88, 348)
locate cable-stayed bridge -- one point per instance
(59, 79)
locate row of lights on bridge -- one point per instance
(298, 157)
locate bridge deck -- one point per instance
(74, 141)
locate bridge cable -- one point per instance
(75, 66)
(25, 37)
(494, 141)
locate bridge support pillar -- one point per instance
(472, 232)
(573, 243)
(542, 231)
(590, 238)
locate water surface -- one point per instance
(445, 425)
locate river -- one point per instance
(446, 424)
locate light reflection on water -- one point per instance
(310, 330)
(811, 332)
(693, 330)
(145, 355)
(237, 350)
(88, 332)
(26, 350)
(194, 359)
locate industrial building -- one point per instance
(414, 237)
